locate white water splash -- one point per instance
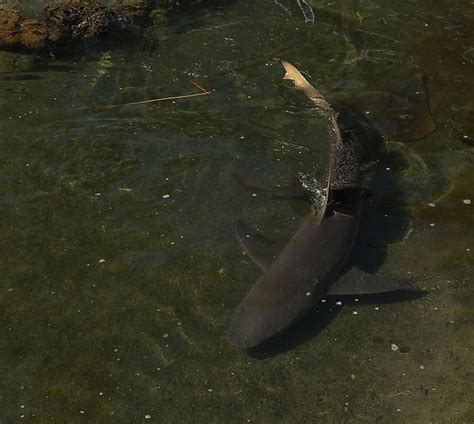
(318, 191)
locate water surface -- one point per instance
(119, 265)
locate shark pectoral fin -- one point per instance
(261, 250)
(357, 282)
(294, 190)
(401, 116)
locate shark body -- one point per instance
(312, 264)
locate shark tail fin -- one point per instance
(300, 82)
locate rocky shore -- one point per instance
(74, 21)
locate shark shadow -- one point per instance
(316, 320)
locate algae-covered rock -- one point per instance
(68, 21)
(65, 21)
(10, 23)
(85, 19)
(34, 34)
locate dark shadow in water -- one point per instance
(303, 330)
(320, 316)
(398, 296)
(384, 218)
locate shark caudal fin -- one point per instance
(300, 82)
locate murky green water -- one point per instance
(119, 267)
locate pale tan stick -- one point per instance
(198, 86)
(161, 99)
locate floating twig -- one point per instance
(199, 87)
(161, 99)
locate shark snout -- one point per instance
(250, 327)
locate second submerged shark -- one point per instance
(313, 263)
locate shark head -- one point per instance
(268, 309)
(248, 329)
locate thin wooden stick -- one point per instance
(198, 86)
(161, 99)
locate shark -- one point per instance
(314, 263)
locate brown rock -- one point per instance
(56, 32)
(33, 35)
(10, 22)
